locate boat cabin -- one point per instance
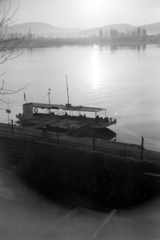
(30, 109)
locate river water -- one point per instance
(125, 80)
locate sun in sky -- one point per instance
(86, 13)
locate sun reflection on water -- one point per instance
(94, 74)
(97, 78)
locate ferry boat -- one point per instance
(71, 120)
(67, 119)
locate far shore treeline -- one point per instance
(138, 36)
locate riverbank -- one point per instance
(37, 194)
(45, 43)
(56, 169)
(35, 136)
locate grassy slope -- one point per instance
(113, 180)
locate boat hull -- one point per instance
(102, 133)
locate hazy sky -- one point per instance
(87, 13)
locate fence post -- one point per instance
(57, 134)
(12, 127)
(35, 153)
(142, 143)
(93, 141)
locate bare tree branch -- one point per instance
(4, 72)
(5, 20)
(3, 101)
(10, 92)
(8, 45)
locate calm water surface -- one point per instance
(124, 80)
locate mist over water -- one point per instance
(125, 80)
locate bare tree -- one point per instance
(8, 43)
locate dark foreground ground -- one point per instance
(25, 214)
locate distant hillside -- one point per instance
(47, 30)
(95, 31)
(41, 29)
(153, 28)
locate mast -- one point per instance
(67, 90)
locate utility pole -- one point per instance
(49, 97)
(67, 91)
(7, 110)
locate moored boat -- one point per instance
(69, 119)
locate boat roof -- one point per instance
(66, 107)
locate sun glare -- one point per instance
(92, 5)
(100, 6)
(95, 72)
